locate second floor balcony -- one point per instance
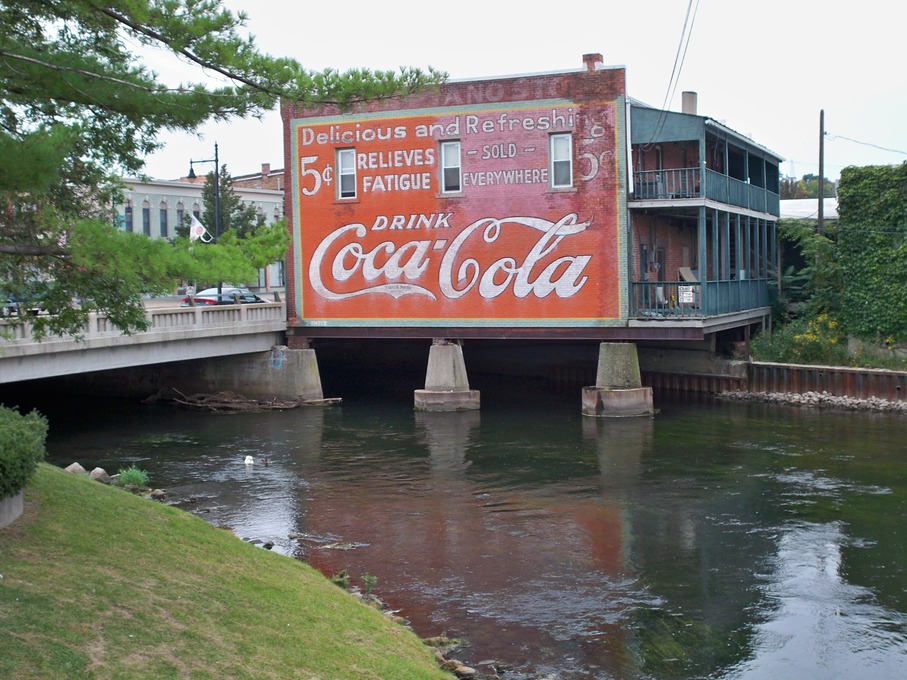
(680, 184)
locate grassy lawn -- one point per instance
(98, 583)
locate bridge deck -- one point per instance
(175, 334)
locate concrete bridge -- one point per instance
(176, 334)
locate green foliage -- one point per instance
(816, 286)
(872, 251)
(819, 340)
(341, 579)
(806, 187)
(22, 440)
(369, 582)
(133, 476)
(79, 108)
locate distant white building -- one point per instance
(156, 207)
(808, 209)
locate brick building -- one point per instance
(543, 206)
(550, 202)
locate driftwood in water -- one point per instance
(222, 401)
(226, 402)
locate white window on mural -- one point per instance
(346, 173)
(561, 160)
(450, 167)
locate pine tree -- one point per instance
(79, 108)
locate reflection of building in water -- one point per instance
(620, 443)
(448, 437)
(454, 534)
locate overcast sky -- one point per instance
(765, 69)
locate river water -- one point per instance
(715, 540)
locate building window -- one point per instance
(561, 160)
(164, 225)
(146, 218)
(450, 167)
(127, 217)
(346, 173)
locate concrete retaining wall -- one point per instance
(11, 509)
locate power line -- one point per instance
(875, 146)
(679, 58)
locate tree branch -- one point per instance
(19, 249)
(155, 35)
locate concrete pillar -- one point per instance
(283, 372)
(446, 382)
(618, 390)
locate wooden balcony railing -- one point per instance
(681, 183)
(684, 299)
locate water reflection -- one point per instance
(734, 541)
(447, 436)
(819, 624)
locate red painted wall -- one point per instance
(507, 250)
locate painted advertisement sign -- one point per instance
(383, 236)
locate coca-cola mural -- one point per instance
(503, 214)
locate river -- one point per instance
(715, 540)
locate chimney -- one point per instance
(265, 170)
(592, 61)
(689, 102)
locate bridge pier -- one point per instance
(618, 390)
(283, 372)
(446, 382)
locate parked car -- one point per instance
(11, 307)
(228, 296)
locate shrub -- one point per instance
(342, 579)
(369, 582)
(815, 341)
(133, 476)
(21, 448)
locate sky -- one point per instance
(764, 69)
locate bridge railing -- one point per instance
(165, 322)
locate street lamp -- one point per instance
(192, 175)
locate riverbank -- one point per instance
(96, 582)
(818, 400)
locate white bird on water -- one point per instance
(250, 460)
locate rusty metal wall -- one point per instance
(790, 378)
(694, 382)
(842, 382)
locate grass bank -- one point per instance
(98, 583)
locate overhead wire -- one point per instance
(679, 58)
(875, 146)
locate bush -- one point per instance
(133, 476)
(21, 448)
(814, 341)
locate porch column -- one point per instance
(446, 382)
(618, 390)
(703, 260)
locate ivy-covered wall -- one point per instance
(872, 252)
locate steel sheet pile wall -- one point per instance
(843, 382)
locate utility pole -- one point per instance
(820, 224)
